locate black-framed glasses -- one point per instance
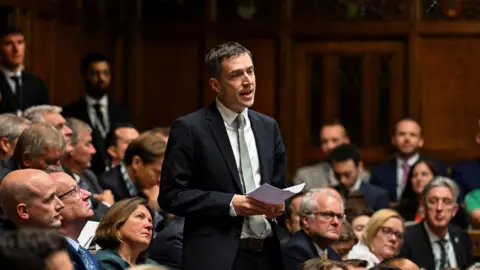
(389, 232)
(72, 192)
(329, 216)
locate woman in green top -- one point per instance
(124, 234)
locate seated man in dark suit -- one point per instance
(166, 247)
(117, 141)
(435, 243)
(291, 218)
(77, 163)
(392, 175)
(321, 219)
(75, 214)
(139, 173)
(345, 162)
(96, 109)
(39, 147)
(18, 89)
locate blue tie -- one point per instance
(87, 259)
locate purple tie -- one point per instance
(406, 170)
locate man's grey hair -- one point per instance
(12, 126)
(441, 181)
(36, 139)
(308, 204)
(35, 113)
(77, 126)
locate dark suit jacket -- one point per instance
(99, 208)
(75, 258)
(200, 178)
(375, 197)
(116, 114)
(300, 249)
(113, 180)
(385, 176)
(417, 247)
(34, 92)
(467, 176)
(166, 248)
(109, 259)
(7, 165)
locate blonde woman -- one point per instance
(381, 238)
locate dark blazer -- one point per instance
(109, 259)
(75, 258)
(116, 114)
(385, 176)
(200, 178)
(417, 247)
(34, 92)
(467, 176)
(375, 197)
(99, 208)
(113, 180)
(300, 249)
(166, 248)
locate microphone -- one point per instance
(432, 5)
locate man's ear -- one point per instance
(4, 145)
(22, 211)
(111, 152)
(26, 161)
(214, 84)
(136, 162)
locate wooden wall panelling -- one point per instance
(449, 84)
(370, 97)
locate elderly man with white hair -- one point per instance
(321, 215)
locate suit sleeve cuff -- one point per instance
(232, 209)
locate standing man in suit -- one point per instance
(214, 157)
(345, 162)
(321, 174)
(435, 243)
(95, 108)
(321, 214)
(392, 175)
(18, 89)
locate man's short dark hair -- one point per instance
(28, 249)
(93, 58)
(165, 131)
(356, 263)
(288, 204)
(111, 139)
(334, 122)
(213, 60)
(10, 30)
(383, 266)
(344, 152)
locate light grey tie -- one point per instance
(257, 223)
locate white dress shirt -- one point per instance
(103, 102)
(437, 251)
(410, 162)
(229, 117)
(9, 74)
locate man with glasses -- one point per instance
(76, 212)
(435, 243)
(321, 215)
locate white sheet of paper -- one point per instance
(272, 195)
(87, 234)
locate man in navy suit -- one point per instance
(322, 214)
(392, 175)
(214, 157)
(345, 162)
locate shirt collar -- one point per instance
(320, 250)
(433, 237)
(229, 115)
(9, 73)
(357, 185)
(73, 243)
(92, 101)
(409, 161)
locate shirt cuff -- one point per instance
(232, 209)
(106, 204)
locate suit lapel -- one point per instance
(425, 248)
(260, 136)
(219, 132)
(458, 248)
(7, 99)
(83, 111)
(393, 175)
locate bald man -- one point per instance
(75, 215)
(28, 199)
(402, 263)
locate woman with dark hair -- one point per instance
(124, 234)
(421, 173)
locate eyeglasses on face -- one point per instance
(74, 192)
(389, 232)
(329, 216)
